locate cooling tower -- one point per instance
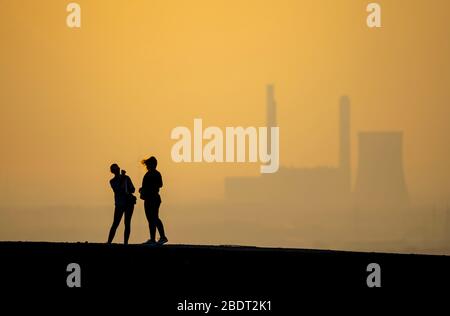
(380, 178)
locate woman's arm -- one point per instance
(160, 180)
(114, 186)
(131, 187)
(143, 184)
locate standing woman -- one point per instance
(151, 184)
(124, 201)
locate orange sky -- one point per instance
(74, 101)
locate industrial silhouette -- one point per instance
(344, 142)
(329, 207)
(380, 177)
(271, 116)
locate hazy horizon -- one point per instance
(73, 101)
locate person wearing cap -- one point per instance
(124, 201)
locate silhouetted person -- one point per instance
(151, 184)
(124, 201)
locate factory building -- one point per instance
(380, 176)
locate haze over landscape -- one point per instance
(75, 101)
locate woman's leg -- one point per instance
(149, 213)
(118, 211)
(128, 215)
(158, 222)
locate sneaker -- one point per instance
(163, 240)
(150, 242)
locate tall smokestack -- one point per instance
(344, 141)
(271, 113)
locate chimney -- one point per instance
(344, 141)
(271, 113)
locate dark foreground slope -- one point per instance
(175, 273)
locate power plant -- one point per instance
(380, 178)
